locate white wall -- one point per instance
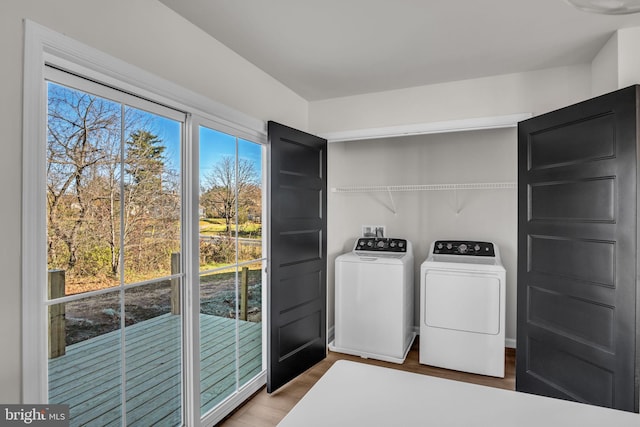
(534, 92)
(424, 216)
(144, 33)
(604, 68)
(628, 58)
(617, 65)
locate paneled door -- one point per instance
(578, 252)
(298, 254)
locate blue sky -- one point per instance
(214, 145)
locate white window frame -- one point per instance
(46, 47)
(233, 401)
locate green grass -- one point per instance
(212, 225)
(250, 227)
(255, 274)
(214, 265)
(218, 226)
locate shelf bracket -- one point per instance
(393, 204)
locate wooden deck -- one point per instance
(88, 376)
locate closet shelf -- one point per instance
(425, 187)
(389, 189)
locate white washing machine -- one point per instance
(462, 307)
(374, 300)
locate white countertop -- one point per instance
(356, 394)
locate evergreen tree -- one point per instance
(145, 160)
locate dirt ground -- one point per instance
(98, 315)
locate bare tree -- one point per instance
(106, 192)
(82, 131)
(226, 188)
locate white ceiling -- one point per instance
(331, 48)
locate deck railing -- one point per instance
(56, 289)
(57, 319)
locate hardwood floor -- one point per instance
(265, 410)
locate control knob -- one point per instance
(462, 248)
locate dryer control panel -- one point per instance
(379, 244)
(463, 247)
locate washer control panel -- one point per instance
(380, 244)
(463, 247)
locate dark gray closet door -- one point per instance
(298, 270)
(577, 252)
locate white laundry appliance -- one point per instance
(374, 300)
(462, 307)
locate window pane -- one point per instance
(249, 201)
(85, 373)
(151, 219)
(83, 188)
(217, 199)
(153, 354)
(218, 304)
(250, 248)
(250, 322)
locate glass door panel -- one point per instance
(114, 237)
(250, 322)
(83, 189)
(250, 260)
(151, 223)
(218, 276)
(217, 337)
(83, 250)
(151, 196)
(217, 199)
(153, 355)
(85, 370)
(230, 264)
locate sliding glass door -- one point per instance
(154, 300)
(114, 233)
(230, 264)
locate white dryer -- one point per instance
(462, 307)
(374, 300)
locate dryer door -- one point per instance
(463, 301)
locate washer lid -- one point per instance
(379, 258)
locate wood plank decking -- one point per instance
(88, 376)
